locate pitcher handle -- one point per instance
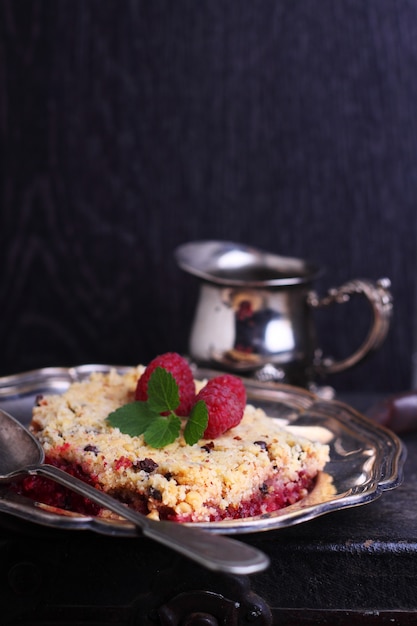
(380, 298)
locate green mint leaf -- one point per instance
(132, 418)
(163, 392)
(197, 423)
(162, 431)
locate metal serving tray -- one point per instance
(365, 459)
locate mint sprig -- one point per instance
(162, 431)
(132, 419)
(163, 394)
(197, 423)
(155, 418)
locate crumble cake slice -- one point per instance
(252, 469)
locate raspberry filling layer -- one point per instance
(271, 496)
(48, 492)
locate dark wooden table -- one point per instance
(356, 566)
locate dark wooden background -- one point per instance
(129, 127)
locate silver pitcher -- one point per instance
(254, 313)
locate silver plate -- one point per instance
(365, 459)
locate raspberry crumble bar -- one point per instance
(253, 468)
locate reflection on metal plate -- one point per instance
(365, 459)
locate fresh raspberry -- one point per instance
(232, 384)
(181, 371)
(225, 403)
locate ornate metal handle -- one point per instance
(380, 298)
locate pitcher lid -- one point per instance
(234, 264)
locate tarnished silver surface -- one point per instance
(254, 312)
(365, 460)
(379, 296)
(229, 264)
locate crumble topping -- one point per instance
(253, 468)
